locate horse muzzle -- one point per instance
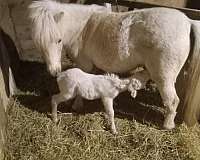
(54, 70)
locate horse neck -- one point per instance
(73, 24)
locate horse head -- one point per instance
(46, 34)
(52, 56)
(50, 30)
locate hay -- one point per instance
(33, 136)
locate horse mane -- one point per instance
(111, 76)
(116, 81)
(44, 26)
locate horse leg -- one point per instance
(87, 66)
(170, 101)
(84, 63)
(55, 101)
(78, 103)
(108, 106)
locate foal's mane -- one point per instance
(44, 26)
(111, 76)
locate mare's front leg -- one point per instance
(108, 106)
(84, 62)
(78, 103)
(87, 66)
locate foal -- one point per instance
(75, 82)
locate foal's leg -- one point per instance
(55, 101)
(108, 106)
(170, 100)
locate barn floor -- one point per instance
(84, 135)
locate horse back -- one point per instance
(122, 41)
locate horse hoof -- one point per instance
(114, 132)
(169, 126)
(55, 120)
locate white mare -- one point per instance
(156, 38)
(74, 82)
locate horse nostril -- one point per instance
(59, 41)
(52, 72)
(57, 71)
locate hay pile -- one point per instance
(33, 136)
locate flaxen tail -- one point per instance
(192, 92)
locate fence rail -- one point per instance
(191, 13)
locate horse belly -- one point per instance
(152, 41)
(115, 64)
(102, 45)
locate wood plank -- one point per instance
(191, 13)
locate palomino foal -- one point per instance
(75, 82)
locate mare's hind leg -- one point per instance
(170, 101)
(55, 101)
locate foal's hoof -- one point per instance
(114, 132)
(55, 120)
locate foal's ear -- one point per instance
(58, 16)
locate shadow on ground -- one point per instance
(36, 87)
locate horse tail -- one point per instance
(42, 15)
(192, 92)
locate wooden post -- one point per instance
(4, 94)
(7, 86)
(191, 13)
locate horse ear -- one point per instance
(58, 16)
(108, 5)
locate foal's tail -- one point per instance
(192, 92)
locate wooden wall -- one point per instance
(171, 3)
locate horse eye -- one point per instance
(59, 40)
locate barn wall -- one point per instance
(3, 103)
(15, 23)
(4, 93)
(171, 3)
(3, 100)
(7, 83)
(193, 4)
(9, 63)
